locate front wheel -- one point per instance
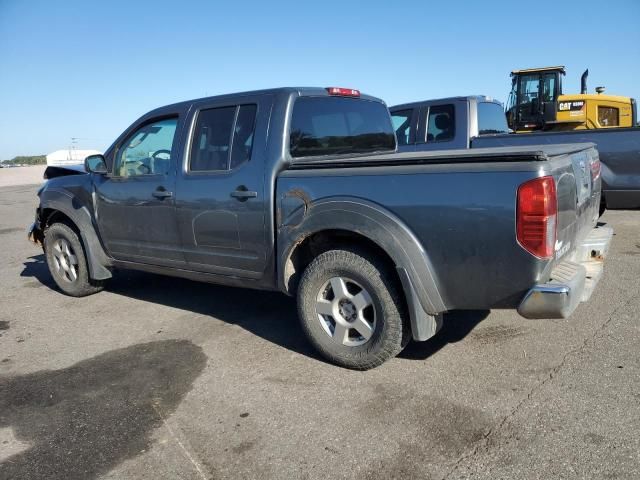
(352, 310)
(67, 262)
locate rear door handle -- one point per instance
(243, 194)
(161, 193)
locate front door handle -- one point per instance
(161, 193)
(242, 194)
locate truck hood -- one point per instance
(61, 171)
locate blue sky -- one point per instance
(88, 69)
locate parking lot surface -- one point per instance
(159, 378)
(12, 176)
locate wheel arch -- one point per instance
(60, 205)
(363, 221)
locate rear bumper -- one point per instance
(572, 281)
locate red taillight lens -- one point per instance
(595, 169)
(345, 92)
(536, 216)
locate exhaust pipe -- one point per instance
(583, 82)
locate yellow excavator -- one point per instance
(536, 102)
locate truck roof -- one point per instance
(301, 91)
(477, 98)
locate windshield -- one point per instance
(528, 91)
(339, 125)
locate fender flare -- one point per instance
(374, 222)
(64, 202)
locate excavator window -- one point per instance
(528, 91)
(549, 87)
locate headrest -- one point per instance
(443, 122)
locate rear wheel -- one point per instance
(352, 310)
(67, 261)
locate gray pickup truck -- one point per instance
(480, 122)
(301, 190)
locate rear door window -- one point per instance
(491, 119)
(222, 138)
(441, 123)
(338, 125)
(401, 120)
(243, 135)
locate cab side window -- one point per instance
(148, 150)
(441, 123)
(222, 138)
(401, 120)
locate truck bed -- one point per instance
(461, 207)
(497, 154)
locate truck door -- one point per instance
(221, 196)
(135, 206)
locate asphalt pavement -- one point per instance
(163, 378)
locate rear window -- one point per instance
(491, 119)
(338, 125)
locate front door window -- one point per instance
(402, 125)
(148, 150)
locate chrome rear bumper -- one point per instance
(572, 281)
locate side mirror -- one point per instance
(95, 164)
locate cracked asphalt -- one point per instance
(160, 378)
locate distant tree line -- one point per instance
(27, 160)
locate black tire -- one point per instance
(71, 276)
(603, 207)
(390, 332)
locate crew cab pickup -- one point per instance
(301, 190)
(480, 122)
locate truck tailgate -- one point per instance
(581, 244)
(578, 186)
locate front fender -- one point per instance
(60, 199)
(301, 218)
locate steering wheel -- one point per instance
(158, 152)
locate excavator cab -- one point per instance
(536, 102)
(534, 96)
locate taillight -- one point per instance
(595, 169)
(536, 215)
(345, 92)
